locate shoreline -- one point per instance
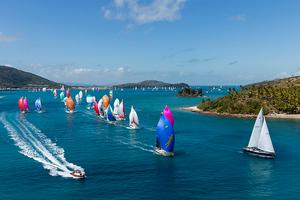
(274, 116)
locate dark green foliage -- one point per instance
(280, 96)
(189, 92)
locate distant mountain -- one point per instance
(281, 96)
(13, 78)
(151, 83)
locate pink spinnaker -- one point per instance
(168, 114)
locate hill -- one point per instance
(151, 83)
(280, 96)
(13, 78)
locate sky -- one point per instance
(200, 42)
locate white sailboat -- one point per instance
(260, 142)
(116, 107)
(121, 111)
(133, 119)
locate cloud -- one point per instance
(233, 62)
(238, 18)
(7, 38)
(142, 13)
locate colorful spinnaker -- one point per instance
(110, 115)
(38, 104)
(165, 137)
(95, 105)
(21, 104)
(25, 102)
(133, 119)
(105, 101)
(70, 104)
(68, 93)
(168, 114)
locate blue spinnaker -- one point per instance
(165, 136)
(38, 104)
(110, 115)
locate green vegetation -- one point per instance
(14, 78)
(278, 96)
(189, 92)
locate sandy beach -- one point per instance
(276, 116)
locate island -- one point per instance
(151, 84)
(12, 78)
(279, 98)
(189, 92)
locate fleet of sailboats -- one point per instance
(260, 143)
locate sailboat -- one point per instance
(165, 136)
(80, 95)
(96, 108)
(133, 119)
(121, 111)
(110, 115)
(70, 105)
(62, 96)
(55, 93)
(116, 107)
(77, 99)
(38, 105)
(21, 105)
(260, 143)
(111, 94)
(89, 100)
(101, 108)
(25, 102)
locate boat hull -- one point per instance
(258, 152)
(162, 152)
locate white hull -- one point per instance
(70, 111)
(162, 152)
(258, 152)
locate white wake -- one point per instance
(35, 144)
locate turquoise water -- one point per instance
(120, 163)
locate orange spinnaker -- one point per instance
(70, 103)
(105, 101)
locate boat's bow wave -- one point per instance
(34, 144)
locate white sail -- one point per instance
(116, 106)
(253, 142)
(265, 142)
(89, 99)
(133, 117)
(80, 94)
(77, 98)
(100, 102)
(121, 110)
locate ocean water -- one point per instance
(37, 151)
